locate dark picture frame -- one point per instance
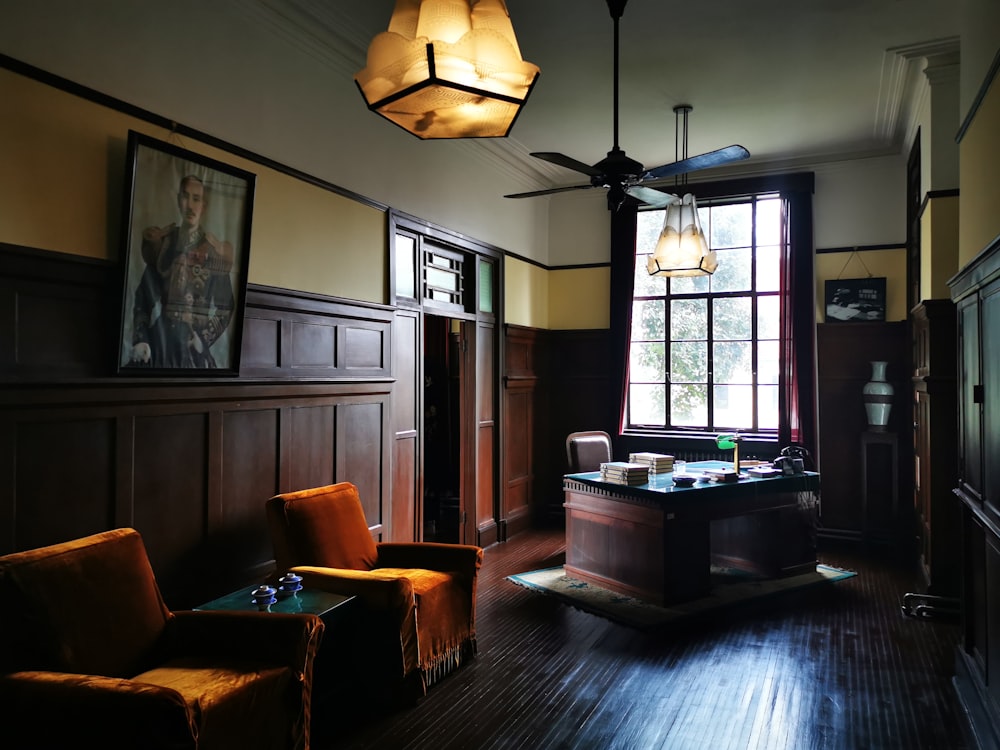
(855, 300)
(185, 259)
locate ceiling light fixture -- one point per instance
(448, 69)
(682, 249)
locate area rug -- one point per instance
(730, 589)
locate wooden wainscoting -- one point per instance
(556, 382)
(845, 353)
(189, 462)
(190, 467)
(582, 397)
(524, 423)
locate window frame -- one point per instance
(797, 394)
(753, 294)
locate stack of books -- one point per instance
(660, 463)
(722, 475)
(624, 472)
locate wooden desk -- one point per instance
(657, 542)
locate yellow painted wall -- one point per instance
(526, 294)
(557, 299)
(62, 189)
(888, 263)
(980, 188)
(938, 246)
(580, 298)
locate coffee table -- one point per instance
(306, 601)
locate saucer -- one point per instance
(286, 590)
(684, 480)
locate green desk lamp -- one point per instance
(727, 441)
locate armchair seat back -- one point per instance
(89, 606)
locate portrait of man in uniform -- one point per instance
(186, 269)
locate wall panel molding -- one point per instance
(188, 461)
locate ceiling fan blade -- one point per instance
(566, 161)
(702, 161)
(550, 191)
(654, 198)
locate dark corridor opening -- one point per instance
(442, 430)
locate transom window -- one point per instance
(704, 350)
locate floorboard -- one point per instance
(837, 669)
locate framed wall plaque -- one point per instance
(855, 300)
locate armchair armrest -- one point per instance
(463, 559)
(374, 589)
(41, 709)
(386, 599)
(274, 638)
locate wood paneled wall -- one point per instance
(189, 462)
(845, 353)
(557, 382)
(524, 423)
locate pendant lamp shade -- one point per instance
(682, 249)
(448, 69)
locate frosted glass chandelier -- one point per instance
(448, 69)
(682, 249)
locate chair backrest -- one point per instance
(322, 526)
(89, 606)
(586, 451)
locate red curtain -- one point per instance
(797, 379)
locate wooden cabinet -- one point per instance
(976, 292)
(935, 435)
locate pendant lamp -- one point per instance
(448, 69)
(682, 249)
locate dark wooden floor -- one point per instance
(842, 669)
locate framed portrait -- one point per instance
(186, 249)
(855, 300)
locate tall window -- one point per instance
(704, 352)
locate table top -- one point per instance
(663, 486)
(308, 600)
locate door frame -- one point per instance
(481, 463)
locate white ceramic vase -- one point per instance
(878, 398)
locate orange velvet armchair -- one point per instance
(90, 656)
(418, 599)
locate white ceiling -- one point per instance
(797, 82)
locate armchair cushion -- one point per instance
(54, 710)
(222, 697)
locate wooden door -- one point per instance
(479, 440)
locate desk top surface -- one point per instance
(662, 485)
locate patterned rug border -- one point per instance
(627, 610)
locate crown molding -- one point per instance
(903, 89)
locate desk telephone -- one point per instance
(791, 460)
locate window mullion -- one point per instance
(710, 354)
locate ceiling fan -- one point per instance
(623, 175)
